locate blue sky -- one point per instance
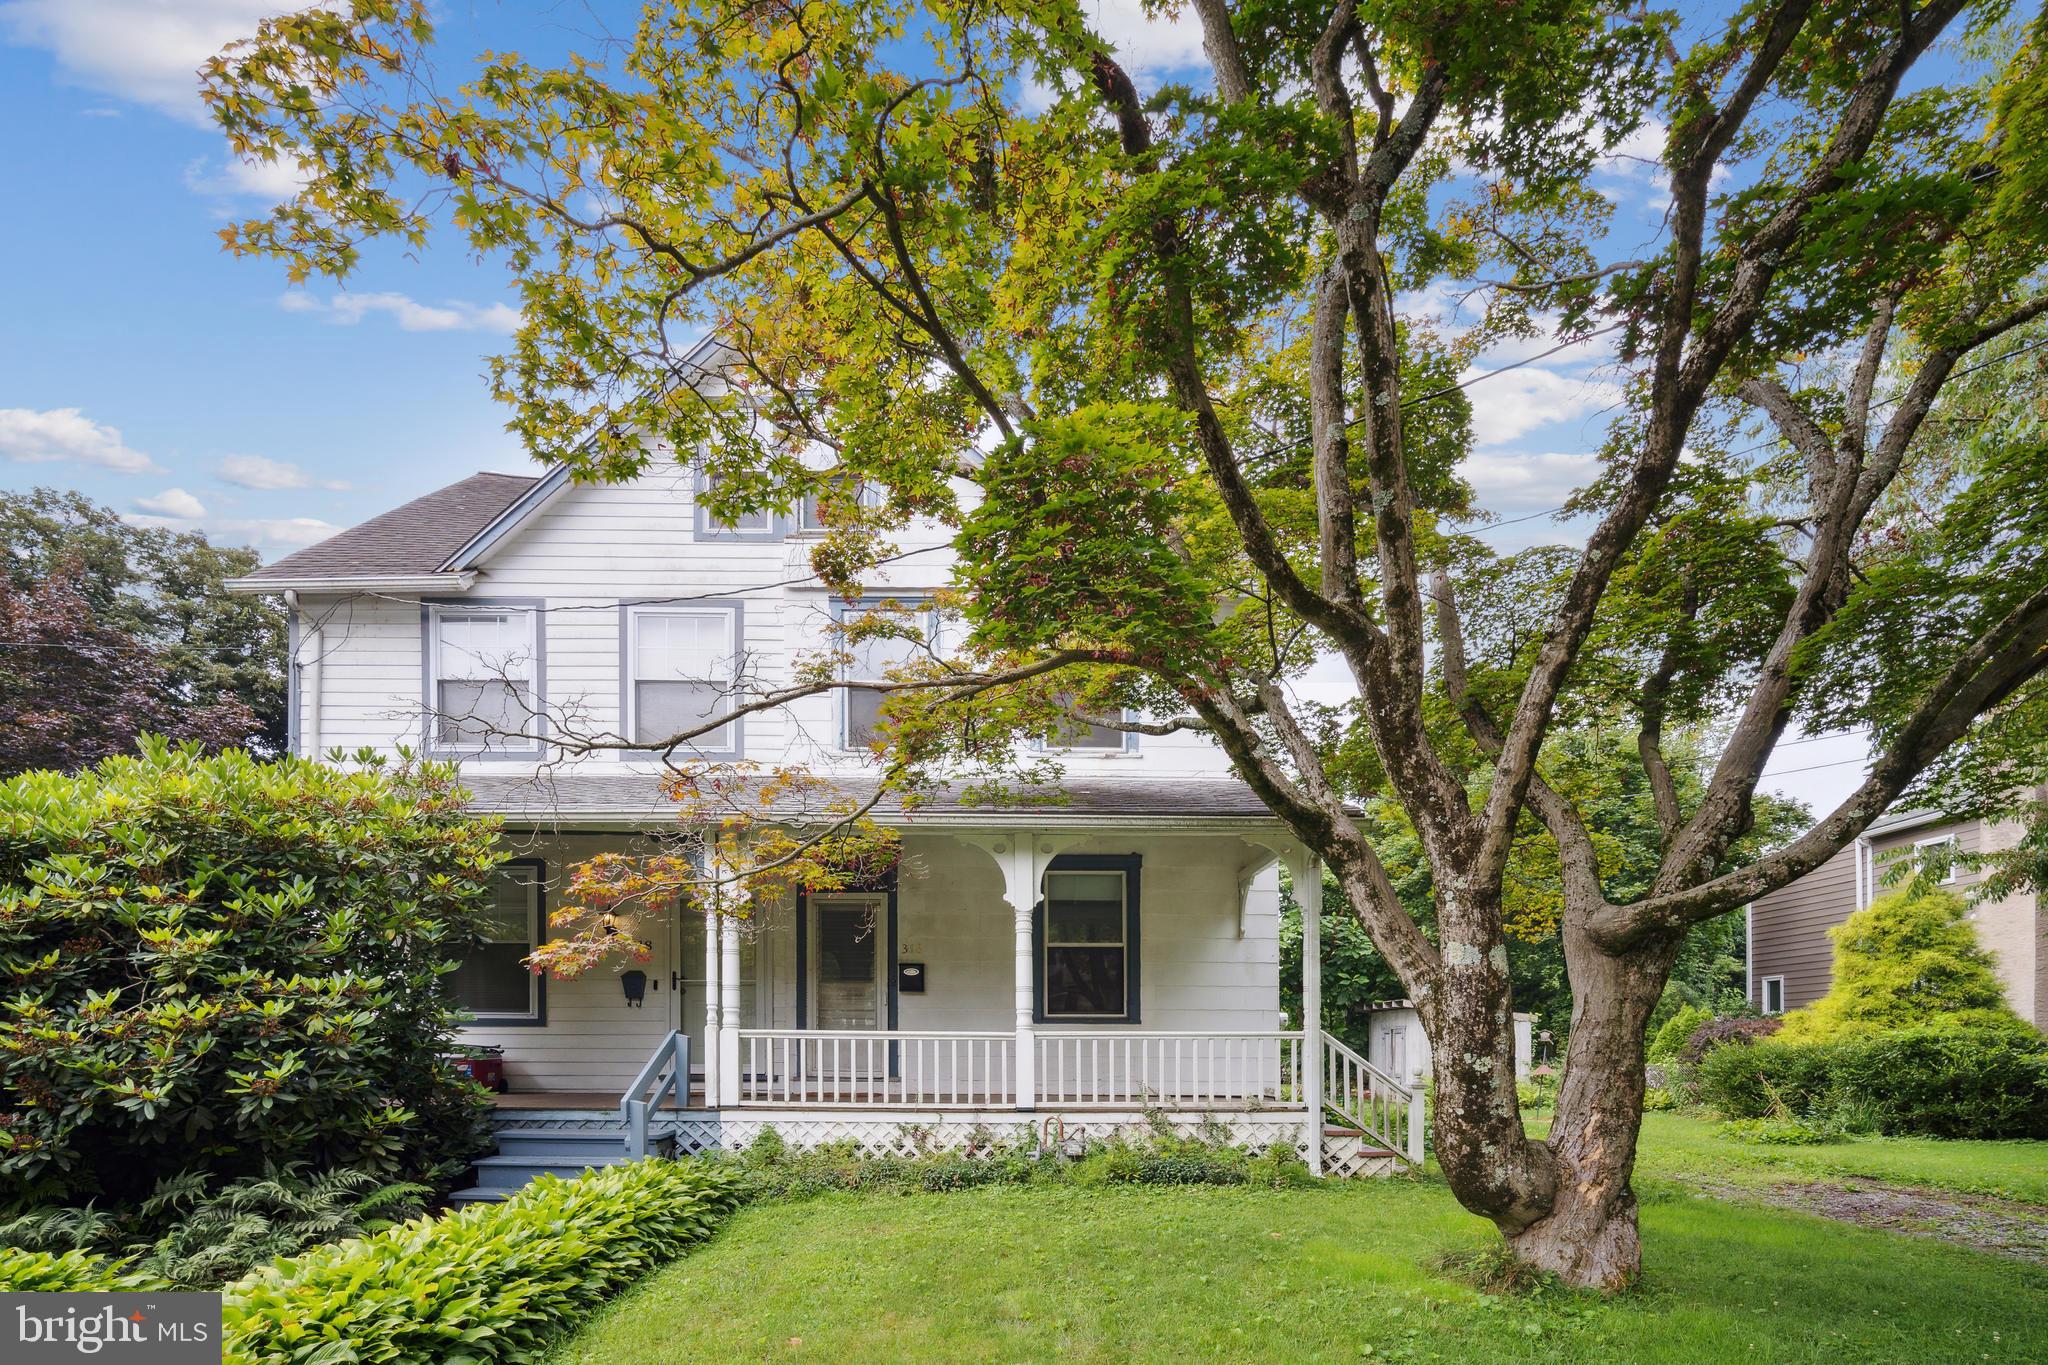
(143, 366)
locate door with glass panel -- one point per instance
(847, 990)
(692, 986)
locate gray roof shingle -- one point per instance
(413, 539)
(616, 796)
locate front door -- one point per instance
(846, 962)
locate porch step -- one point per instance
(526, 1152)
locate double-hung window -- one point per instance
(493, 981)
(683, 672)
(1088, 941)
(486, 678)
(873, 659)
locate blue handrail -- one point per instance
(667, 1072)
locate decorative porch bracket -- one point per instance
(1022, 858)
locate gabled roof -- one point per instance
(418, 538)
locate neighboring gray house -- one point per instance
(1791, 959)
(1070, 966)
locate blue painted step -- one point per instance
(524, 1153)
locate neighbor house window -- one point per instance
(873, 660)
(683, 668)
(493, 981)
(486, 678)
(1930, 852)
(1773, 995)
(1087, 968)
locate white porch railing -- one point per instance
(1169, 1070)
(878, 1069)
(1371, 1101)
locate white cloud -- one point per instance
(275, 181)
(281, 534)
(1544, 480)
(148, 51)
(1150, 48)
(411, 315)
(67, 436)
(255, 471)
(1511, 404)
(172, 502)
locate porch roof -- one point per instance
(635, 798)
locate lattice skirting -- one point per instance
(898, 1134)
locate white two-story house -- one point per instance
(1072, 965)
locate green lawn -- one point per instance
(1338, 1272)
(1676, 1146)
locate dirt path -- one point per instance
(2000, 1226)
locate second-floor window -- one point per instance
(684, 668)
(486, 679)
(1086, 736)
(873, 659)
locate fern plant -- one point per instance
(194, 1233)
(216, 1236)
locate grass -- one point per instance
(1337, 1272)
(1676, 1146)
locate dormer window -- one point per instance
(484, 679)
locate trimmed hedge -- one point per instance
(491, 1282)
(1930, 1082)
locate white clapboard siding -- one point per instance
(594, 547)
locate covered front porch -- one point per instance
(1069, 976)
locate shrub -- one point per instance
(492, 1282)
(1733, 1028)
(1933, 1082)
(1947, 1082)
(1667, 1043)
(1907, 960)
(210, 964)
(1658, 1100)
(1779, 1132)
(65, 1272)
(1537, 1095)
(1767, 1078)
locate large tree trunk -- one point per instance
(1589, 1237)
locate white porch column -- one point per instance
(1020, 887)
(729, 1011)
(1307, 875)
(711, 1038)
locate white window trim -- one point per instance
(1952, 872)
(1763, 995)
(536, 678)
(536, 911)
(1123, 943)
(630, 663)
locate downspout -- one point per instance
(309, 679)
